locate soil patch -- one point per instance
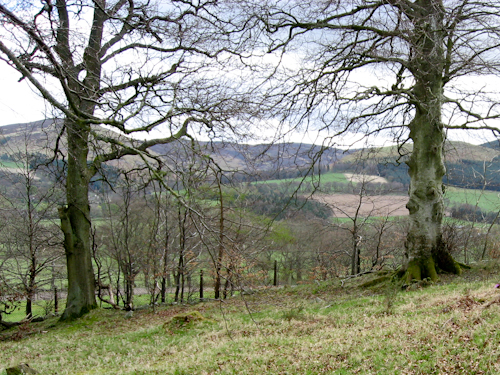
(345, 205)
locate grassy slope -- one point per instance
(10, 164)
(450, 328)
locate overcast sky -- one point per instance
(19, 104)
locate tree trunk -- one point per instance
(183, 284)
(355, 259)
(32, 273)
(31, 289)
(165, 275)
(75, 224)
(180, 269)
(163, 292)
(275, 272)
(129, 287)
(75, 217)
(220, 255)
(426, 252)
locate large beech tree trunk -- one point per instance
(76, 225)
(75, 216)
(426, 252)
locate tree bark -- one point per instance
(220, 254)
(426, 252)
(76, 225)
(75, 217)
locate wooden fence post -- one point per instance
(201, 285)
(56, 301)
(275, 282)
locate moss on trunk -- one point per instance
(427, 255)
(76, 224)
(440, 260)
(421, 269)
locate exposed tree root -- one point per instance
(354, 276)
(440, 261)
(418, 270)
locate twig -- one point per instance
(250, 312)
(445, 323)
(497, 300)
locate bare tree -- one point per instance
(163, 237)
(156, 264)
(394, 67)
(356, 212)
(127, 234)
(29, 200)
(130, 65)
(10, 299)
(384, 243)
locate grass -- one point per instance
(10, 164)
(324, 178)
(487, 200)
(446, 328)
(40, 308)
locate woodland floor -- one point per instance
(362, 327)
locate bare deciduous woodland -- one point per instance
(130, 66)
(420, 50)
(154, 105)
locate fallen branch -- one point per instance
(354, 276)
(7, 325)
(114, 305)
(496, 300)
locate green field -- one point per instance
(323, 178)
(10, 164)
(40, 308)
(486, 200)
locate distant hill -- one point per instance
(454, 151)
(266, 160)
(282, 160)
(40, 137)
(492, 144)
(467, 165)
